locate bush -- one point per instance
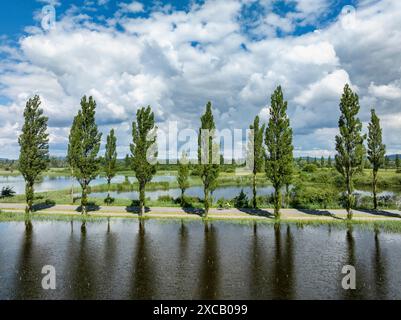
(310, 168)
(241, 201)
(49, 202)
(109, 200)
(7, 192)
(387, 201)
(223, 203)
(310, 197)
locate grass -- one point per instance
(381, 226)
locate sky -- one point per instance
(178, 55)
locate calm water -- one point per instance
(65, 182)
(167, 260)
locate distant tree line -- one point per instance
(271, 145)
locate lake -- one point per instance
(191, 260)
(53, 183)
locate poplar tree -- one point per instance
(376, 151)
(110, 159)
(397, 162)
(258, 153)
(144, 151)
(127, 162)
(329, 164)
(278, 139)
(322, 162)
(386, 162)
(183, 175)
(208, 155)
(349, 144)
(34, 148)
(83, 148)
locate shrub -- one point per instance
(49, 202)
(223, 203)
(310, 168)
(241, 201)
(109, 200)
(310, 197)
(7, 192)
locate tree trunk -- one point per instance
(254, 191)
(29, 193)
(182, 197)
(287, 195)
(349, 198)
(375, 189)
(72, 186)
(277, 202)
(84, 199)
(206, 192)
(108, 191)
(141, 199)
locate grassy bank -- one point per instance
(374, 226)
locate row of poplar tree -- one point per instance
(272, 148)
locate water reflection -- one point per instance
(283, 277)
(209, 268)
(24, 282)
(259, 281)
(379, 269)
(80, 260)
(142, 274)
(193, 260)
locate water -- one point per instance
(53, 183)
(171, 260)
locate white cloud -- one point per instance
(389, 92)
(133, 7)
(178, 60)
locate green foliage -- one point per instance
(34, 143)
(279, 161)
(314, 197)
(83, 148)
(376, 151)
(241, 201)
(207, 155)
(258, 153)
(183, 174)
(349, 143)
(7, 192)
(310, 168)
(329, 163)
(109, 200)
(144, 150)
(223, 203)
(110, 158)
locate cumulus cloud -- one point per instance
(389, 92)
(176, 61)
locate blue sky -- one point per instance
(177, 55)
(17, 14)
